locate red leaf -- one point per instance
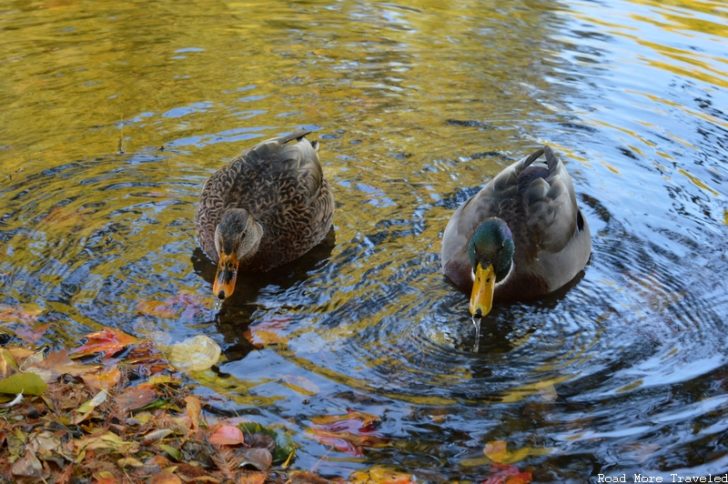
(225, 434)
(348, 433)
(108, 341)
(508, 474)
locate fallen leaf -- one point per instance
(193, 410)
(157, 309)
(129, 462)
(85, 410)
(31, 334)
(156, 435)
(300, 384)
(25, 383)
(348, 433)
(105, 477)
(166, 477)
(19, 314)
(28, 466)
(255, 477)
(261, 459)
(8, 365)
(108, 341)
(134, 398)
(225, 434)
(106, 441)
(283, 448)
(54, 365)
(307, 477)
(508, 474)
(171, 451)
(105, 380)
(194, 354)
(20, 354)
(380, 474)
(497, 451)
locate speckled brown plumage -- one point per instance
(281, 184)
(551, 236)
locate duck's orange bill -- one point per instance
(225, 277)
(481, 297)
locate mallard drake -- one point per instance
(267, 207)
(520, 237)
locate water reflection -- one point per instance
(115, 115)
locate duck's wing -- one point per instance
(274, 176)
(537, 201)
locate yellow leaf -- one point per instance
(497, 451)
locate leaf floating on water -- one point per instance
(26, 383)
(194, 354)
(255, 435)
(108, 341)
(380, 474)
(225, 434)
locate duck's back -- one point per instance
(538, 203)
(281, 184)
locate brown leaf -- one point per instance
(136, 397)
(31, 334)
(225, 434)
(157, 309)
(508, 474)
(165, 477)
(252, 478)
(261, 459)
(306, 477)
(108, 341)
(193, 410)
(28, 466)
(58, 363)
(105, 477)
(104, 380)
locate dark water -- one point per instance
(113, 115)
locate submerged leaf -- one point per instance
(284, 449)
(497, 451)
(26, 383)
(194, 354)
(108, 341)
(348, 433)
(508, 474)
(19, 314)
(380, 474)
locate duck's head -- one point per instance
(490, 251)
(237, 238)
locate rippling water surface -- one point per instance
(114, 115)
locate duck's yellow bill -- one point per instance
(225, 277)
(481, 297)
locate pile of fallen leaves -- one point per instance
(114, 410)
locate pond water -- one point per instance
(113, 116)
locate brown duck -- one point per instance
(521, 236)
(267, 207)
